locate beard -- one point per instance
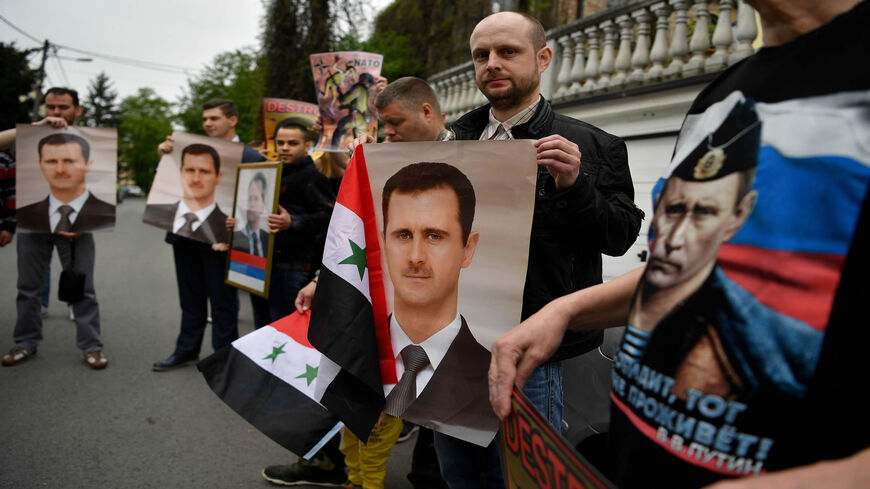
(516, 94)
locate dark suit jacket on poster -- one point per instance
(95, 214)
(213, 230)
(456, 399)
(242, 243)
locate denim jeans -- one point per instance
(544, 390)
(465, 465)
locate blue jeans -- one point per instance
(284, 285)
(468, 466)
(544, 390)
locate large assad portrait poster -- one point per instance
(65, 178)
(278, 112)
(453, 224)
(249, 262)
(194, 187)
(345, 83)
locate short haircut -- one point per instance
(227, 107)
(293, 123)
(256, 142)
(58, 138)
(61, 91)
(419, 177)
(411, 92)
(537, 34)
(202, 149)
(259, 177)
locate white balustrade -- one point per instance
(640, 58)
(659, 53)
(723, 37)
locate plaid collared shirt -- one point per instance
(497, 131)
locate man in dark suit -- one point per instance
(199, 267)
(197, 216)
(252, 239)
(428, 211)
(65, 162)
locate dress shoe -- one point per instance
(173, 362)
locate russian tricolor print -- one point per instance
(247, 270)
(349, 312)
(272, 377)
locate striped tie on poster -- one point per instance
(349, 313)
(271, 377)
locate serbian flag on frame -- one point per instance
(247, 269)
(349, 312)
(271, 378)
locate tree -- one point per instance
(16, 85)
(233, 75)
(99, 105)
(145, 122)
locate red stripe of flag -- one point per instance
(800, 285)
(295, 325)
(356, 177)
(248, 259)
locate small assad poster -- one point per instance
(66, 178)
(193, 188)
(345, 84)
(278, 112)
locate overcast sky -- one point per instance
(185, 34)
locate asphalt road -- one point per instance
(64, 425)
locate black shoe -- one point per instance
(173, 362)
(408, 430)
(319, 471)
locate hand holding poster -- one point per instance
(279, 111)
(189, 194)
(345, 84)
(66, 178)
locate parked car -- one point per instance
(131, 191)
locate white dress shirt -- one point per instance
(76, 204)
(521, 117)
(201, 216)
(435, 346)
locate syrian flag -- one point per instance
(271, 378)
(349, 312)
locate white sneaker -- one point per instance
(72, 314)
(44, 311)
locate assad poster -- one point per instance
(278, 112)
(194, 187)
(432, 239)
(345, 83)
(66, 178)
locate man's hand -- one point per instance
(5, 238)
(231, 223)
(69, 235)
(318, 124)
(280, 221)
(55, 122)
(380, 84)
(305, 296)
(364, 139)
(561, 157)
(518, 352)
(220, 246)
(165, 146)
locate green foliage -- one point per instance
(99, 106)
(234, 75)
(16, 83)
(400, 56)
(145, 121)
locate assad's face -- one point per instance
(255, 202)
(198, 177)
(424, 248)
(64, 166)
(691, 221)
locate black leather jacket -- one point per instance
(571, 227)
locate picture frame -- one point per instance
(251, 245)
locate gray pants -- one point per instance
(34, 257)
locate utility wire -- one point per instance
(60, 65)
(4, 19)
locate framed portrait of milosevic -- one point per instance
(193, 188)
(345, 84)
(66, 178)
(440, 245)
(249, 261)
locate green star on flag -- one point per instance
(275, 352)
(309, 375)
(357, 257)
